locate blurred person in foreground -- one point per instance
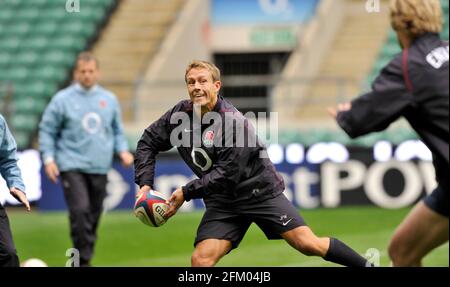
(414, 85)
(12, 175)
(236, 180)
(79, 134)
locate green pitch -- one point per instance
(124, 241)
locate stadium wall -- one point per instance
(323, 175)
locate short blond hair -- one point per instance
(215, 72)
(416, 17)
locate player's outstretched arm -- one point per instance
(155, 139)
(333, 112)
(377, 109)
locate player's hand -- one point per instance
(340, 108)
(52, 171)
(126, 158)
(144, 188)
(175, 201)
(20, 197)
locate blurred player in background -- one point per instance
(237, 182)
(11, 173)
(414, 85)
(79, 133)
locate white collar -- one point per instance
(81, 89)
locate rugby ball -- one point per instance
(33, 262)
(150, 207)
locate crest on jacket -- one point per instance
(208, 139)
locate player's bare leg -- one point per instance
(209, 251)
(419, 233)
(331, 249)
(305, 241)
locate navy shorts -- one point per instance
(438, 201)
(273, 216)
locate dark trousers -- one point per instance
(84, 194)
(8, 253)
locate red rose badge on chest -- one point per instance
(103, 104)
(208, 139)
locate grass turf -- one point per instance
(124, 241)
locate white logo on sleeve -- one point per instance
(91, 123)
(438, 57)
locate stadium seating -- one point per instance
(39, 41)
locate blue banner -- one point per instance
(229, 12)
(169, 175)
(121, 190)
